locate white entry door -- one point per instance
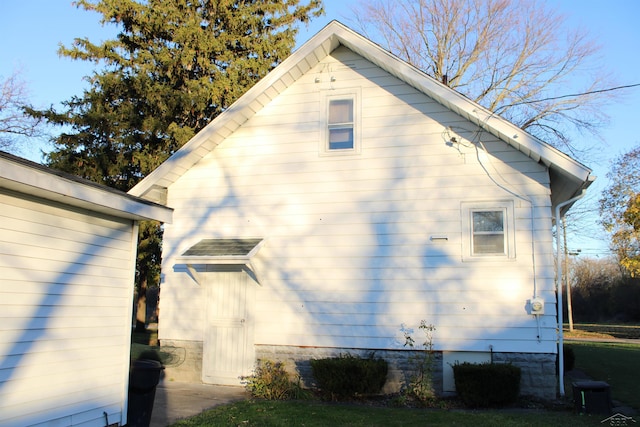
(228, 351)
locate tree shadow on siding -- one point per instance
(36, 333)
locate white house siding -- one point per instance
(348, 256)
(66, 280)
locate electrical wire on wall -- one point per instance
(476, 142)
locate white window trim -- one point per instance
(467, 209)
(354, 94)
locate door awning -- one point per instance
(221, 251)
(238, 251)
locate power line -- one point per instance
(573, 95)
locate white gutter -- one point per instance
(559, 293)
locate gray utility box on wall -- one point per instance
(592, 397)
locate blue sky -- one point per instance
(31, 32)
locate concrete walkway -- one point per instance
(176, 400)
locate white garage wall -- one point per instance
(66, 283)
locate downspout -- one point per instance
(559, 293)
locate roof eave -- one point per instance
(524, 142)
(23, 176)
(313, 51)
(318, 47)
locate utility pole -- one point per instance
(566, 273)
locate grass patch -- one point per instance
(617, 364)
(166, 356)
(142, 342)
(602, 330)
(148, 337)
(312, 414)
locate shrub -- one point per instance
(487, 384)
(271, 381)
(348, 375)
(569, 358)
(419, 383)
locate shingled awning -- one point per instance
(221, 251)
(238, 251)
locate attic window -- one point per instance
(341, 122)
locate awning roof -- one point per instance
(238, 251)
(221, 251)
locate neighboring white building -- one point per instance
(67, 267)
(344, 195)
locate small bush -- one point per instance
(348, 376)
(271, 381)
(569, 358)
(487, 384)
(418, 382)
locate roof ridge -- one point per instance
(320, 45)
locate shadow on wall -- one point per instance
(68, 323)
(349, 255)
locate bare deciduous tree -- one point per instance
(14, 122)
(515, 58)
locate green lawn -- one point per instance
(617, 364)
(317, 414)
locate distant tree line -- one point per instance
(603, 291)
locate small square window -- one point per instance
(488, 230)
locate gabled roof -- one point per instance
(26, 177)
(568, 177)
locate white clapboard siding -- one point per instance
(65, 304)
(349, 252)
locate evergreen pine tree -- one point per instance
(174, 66)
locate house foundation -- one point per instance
(538, 373)
(183, 360)
(401, 362)
(538, 377)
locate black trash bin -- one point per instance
(592, 397)
(144, 377)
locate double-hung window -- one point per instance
(488, 230)
(342, 122)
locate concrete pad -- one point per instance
(177, 400)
